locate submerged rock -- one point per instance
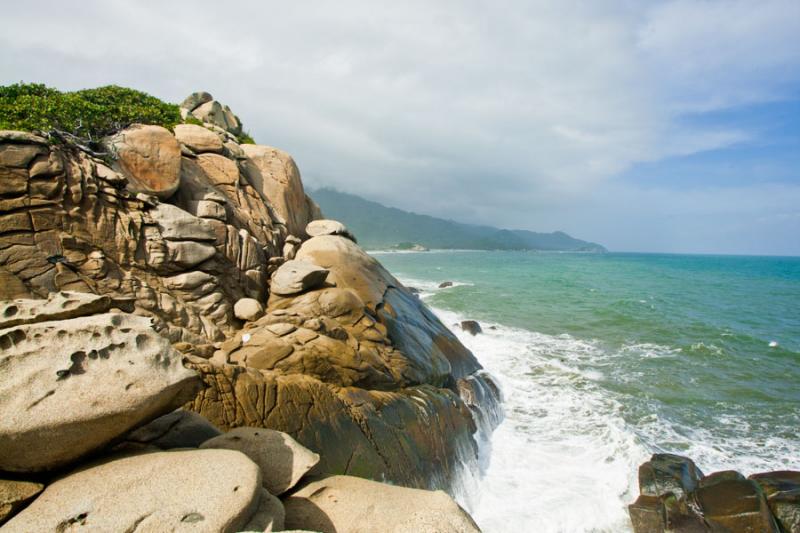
(471, 326)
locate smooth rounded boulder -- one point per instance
(248, 309)
(296, 276)
(186, 490)
(178, 429)
(86, 381)
(316, 228)
(150, 157)
(282, 459)
(345, 504)
(198, 139)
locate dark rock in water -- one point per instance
(676, 497)
(471, 326)
(724, 475)
(735, 505)
(445, 284)
(782, 490)
(647, 514)
(413, 290)
(665, 473)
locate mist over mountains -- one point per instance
(378, 226)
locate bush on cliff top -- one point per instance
(88, 114)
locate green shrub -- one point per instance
(244, 138)
(88, 114)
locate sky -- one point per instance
(663, 126)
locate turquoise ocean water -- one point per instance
(607, 358)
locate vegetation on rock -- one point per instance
(87, 114)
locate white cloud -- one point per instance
(482, 111)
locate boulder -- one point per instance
(782, 490)
(734, 505)
(283, 460)
(647, 515)
(668, 473)
(198, 139)
(276, 177)
(178, 429)
(297, 276)
(248, 309)
(221, 116)
(191, 102)
(175, 224)
(150, 157)
(269, 515)
(471, 326)
(316, 228)
(445, 284)
(187, 490)
(87, 381)
(14, 495)
(345, 504)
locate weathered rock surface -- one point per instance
(219, 115)
(345, 504)
(87, 381)
(297, 276)
(149, 157)
(14, 495)
(317, 228)
(283, 460)
(178, 429)
(195, 490)
(276, 177)
(57, 306)
(668, 473)
(198, 139)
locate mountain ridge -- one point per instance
(380, 226)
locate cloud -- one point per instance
(477, 111)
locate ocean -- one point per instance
(606, 358)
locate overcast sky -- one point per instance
(646, 126)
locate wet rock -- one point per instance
(471, 326)
(735, 505)
(445, 284)
(87, 381)
(782, 490)
(199, 490)
(283, 461)
(668, 473)
(297, 276)
(348, 504)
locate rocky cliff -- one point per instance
(182, 267)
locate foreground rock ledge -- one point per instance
(344, 504)
(195, 490)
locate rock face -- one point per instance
(149, 157)
(283, 461)
(195, 490)
(276, 177)
(87, 381)
(345, 504)
(128, 276)
(675, 496)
